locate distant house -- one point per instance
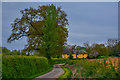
(82, 54)
(65, 55)
(76, 54)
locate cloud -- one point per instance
(81, 35)
(92, 29)
(84, 31)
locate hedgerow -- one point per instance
(23, 66)
(59, 60)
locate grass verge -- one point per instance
(67, 73)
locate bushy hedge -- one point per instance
(23, 66)
(71, 62)
(59, 60)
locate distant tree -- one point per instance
(93, 45)
(93, 54)
(14, 52)
(86, 44)
(34, 25)
(118, 49)
(5, 51)
(70, 56)
(88, 51)
(79, 47)
(18, 52)
(112, 42)
(112, 47)
(101, 49)
(23, 53)
(73, 48)
(67, 50)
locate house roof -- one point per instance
(76, 52)
(66, 53)
(82, 52)
(79, 52)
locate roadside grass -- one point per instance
(67, 73)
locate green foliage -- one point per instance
(70, 57)
(16, 52)
(50, 37)
(58, 60)
(113, 52)
(101, 49)
(23, 66)
(114, 47)
(67, 73)
(57, 56)
(5, 51)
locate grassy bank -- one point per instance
(96, 69)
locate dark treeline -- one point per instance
(111, 48)
(6, 51)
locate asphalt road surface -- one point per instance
(52, 75)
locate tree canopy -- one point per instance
(43, 25)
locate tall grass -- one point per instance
(23, 66)
(96, 69)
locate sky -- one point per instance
(88, 21)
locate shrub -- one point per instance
(58, 60)
(23, 66)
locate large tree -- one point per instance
(34, 25)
